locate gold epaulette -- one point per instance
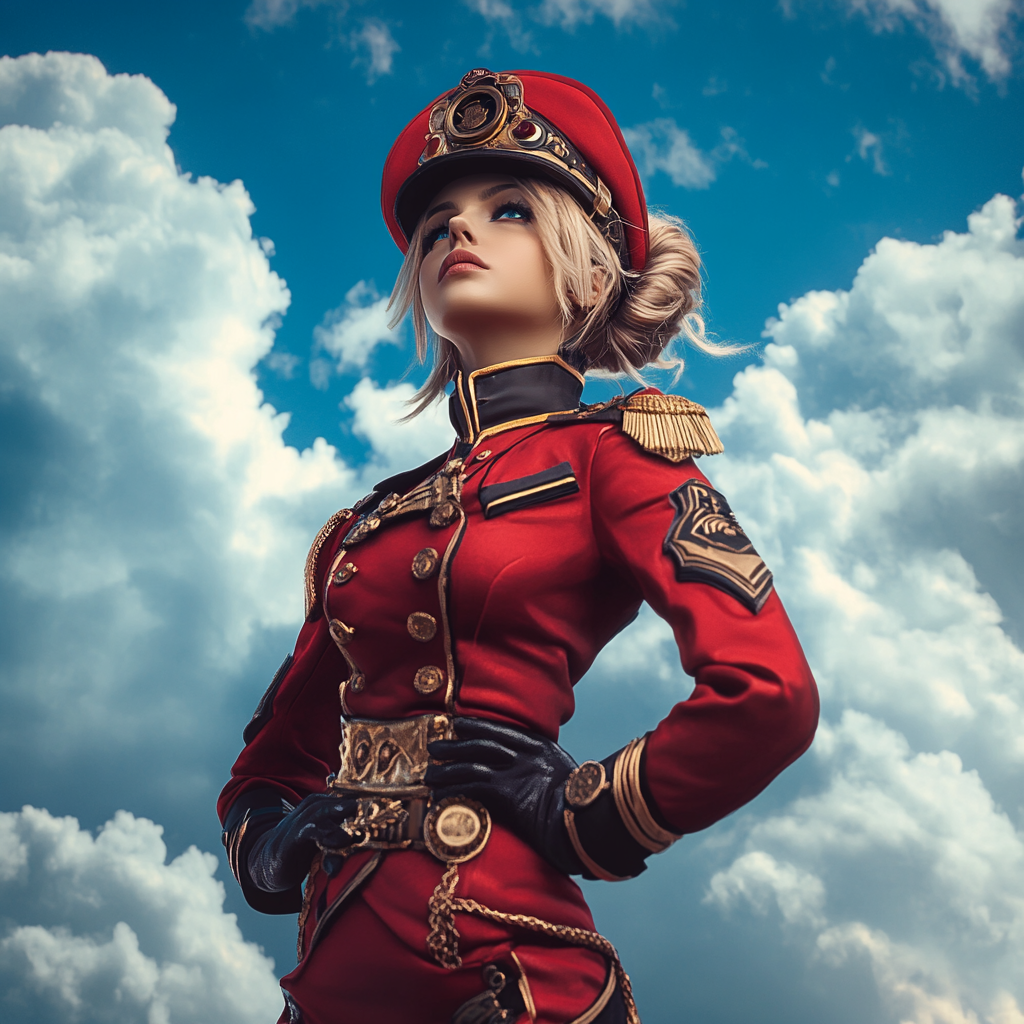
(313, 558)
(670, 426)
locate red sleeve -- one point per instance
(298, 747)
(754, 707)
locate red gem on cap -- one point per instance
(526, 131)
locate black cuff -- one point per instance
(605, 838)
(257, 811)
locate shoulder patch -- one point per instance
(709, 546)
(313, 559)
(670, 426)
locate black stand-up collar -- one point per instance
(513, 394)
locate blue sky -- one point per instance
(196, 373)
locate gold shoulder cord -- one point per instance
(630, 803)
(670, 426)
(312, 604)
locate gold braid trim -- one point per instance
(563, 933)
(443, 940)
(670, 426)
(312, 602)
(630, 803)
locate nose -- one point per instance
(460, 230)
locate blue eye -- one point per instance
(513, 211)
(430, 238)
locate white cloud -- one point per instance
(869, 148)
(661, 145)
(877, 459)
(570, 13)
(137, 304)
(351, 332)
(270, 14)
(760, 880)
(978, 29)
(376, 48)
(105, 929)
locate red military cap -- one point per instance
(528, 123)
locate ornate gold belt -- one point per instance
(383, 767)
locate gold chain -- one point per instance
(564, 933)
(443, 940)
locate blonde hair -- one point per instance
(625, 326)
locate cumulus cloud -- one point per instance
(104, 929)
(145, 476)
(661, 145)
(876, 459)
(980, 30)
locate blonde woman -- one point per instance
(451, 611)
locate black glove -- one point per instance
(280, 857)
(518, 776)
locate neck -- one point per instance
(505, 342)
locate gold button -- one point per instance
(483, 455)
(344, 574)
(428, 679)
(422, 626)
(389, 502)
(342, 634)
(357, 683)
(425, 564)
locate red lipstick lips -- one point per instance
(457, 256)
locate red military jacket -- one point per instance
(490, 591)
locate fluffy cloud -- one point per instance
(375, 47)
(351, 332)
(978, 29)
(105, 929)
(876, 458)
(144, 474)
(661, 145)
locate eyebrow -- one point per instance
(486, 194)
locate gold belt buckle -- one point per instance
(383, 766)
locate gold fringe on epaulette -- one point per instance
(670, 426)
(312, 597)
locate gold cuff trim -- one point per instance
(630, 803)
(588, 862)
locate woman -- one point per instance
(451, 611)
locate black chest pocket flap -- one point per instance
(556, 482)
